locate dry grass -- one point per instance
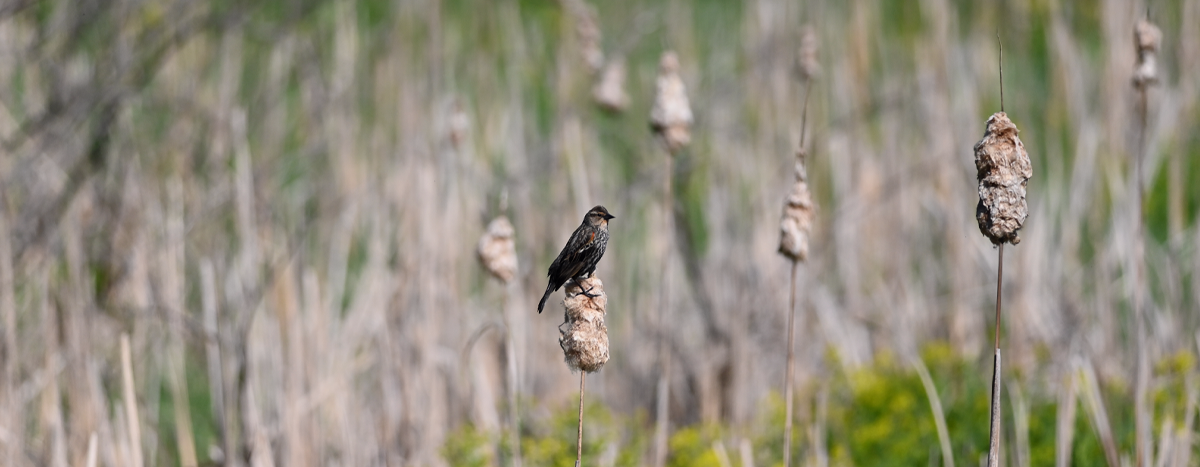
(285, 206)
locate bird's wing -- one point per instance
(572, 255)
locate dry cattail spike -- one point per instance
(609, 92)
(1146, 37)
(458, 124)
(497, 250)
(808, 65)
(1003, 172)
(798, 211)
(671, 116)
(583, 337)
(587, 29)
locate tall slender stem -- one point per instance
(994, 449)
(1001, 60)
(791, 347)
(510, 348)
(664, 378)
(787, 382)
(804, 113)
(579, 439)
(994, 445)
(1141, 414)
(999, 286)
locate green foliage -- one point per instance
(552, 441)
(878, 415)
(882, 417)
(693, 447)
(469, 447)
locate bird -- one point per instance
(578, 258)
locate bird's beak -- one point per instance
(609, 216)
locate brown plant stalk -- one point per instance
(671, 121)
(1146, 39)
(795, 226)
(497, 253)
(583, 337)
(1003, 171)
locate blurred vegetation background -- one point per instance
(278, 203)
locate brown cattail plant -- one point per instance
(795, 225)
(794, 228)
(497, 250)
(1146, 39)
(497, 253)
(671, 116)
(807, 63)
(587, 29)
(671, 121)
(609, 92)
(798, 210)
(458, 125)
(1003, 171)
(584, 337)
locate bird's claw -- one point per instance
(588, 293)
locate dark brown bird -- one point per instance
(585, 248)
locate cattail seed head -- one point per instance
(1003, 170)
(584, 337)
(1146, 37)
(497, 249)
(808, 65)
(671, 115)
(799, 210)
(609, 92)
(587, 29)
(458, 124)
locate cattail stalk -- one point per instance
(789, 373)
(795, 226)
(497, 253)
(131, 411)
(583, 336)
(1146, 38)
(1003, 171)
(663, 387)
(579, 436)
(671, 121)
(994, 416)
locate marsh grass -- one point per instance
(328, 287)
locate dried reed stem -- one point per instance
(663, 388)
(1064, 433)
(994, 437)
(131, 411)
(1098, 414)
(497, 253)
(579, 437)
(1003, 170)
(90, 459)
(514, 414)
(999, 286)
(1146, 38)
(939, 415)
(787, 382)
(670, 120)
(793, 243)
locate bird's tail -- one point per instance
(541, 304)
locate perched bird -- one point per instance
(585, 248)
